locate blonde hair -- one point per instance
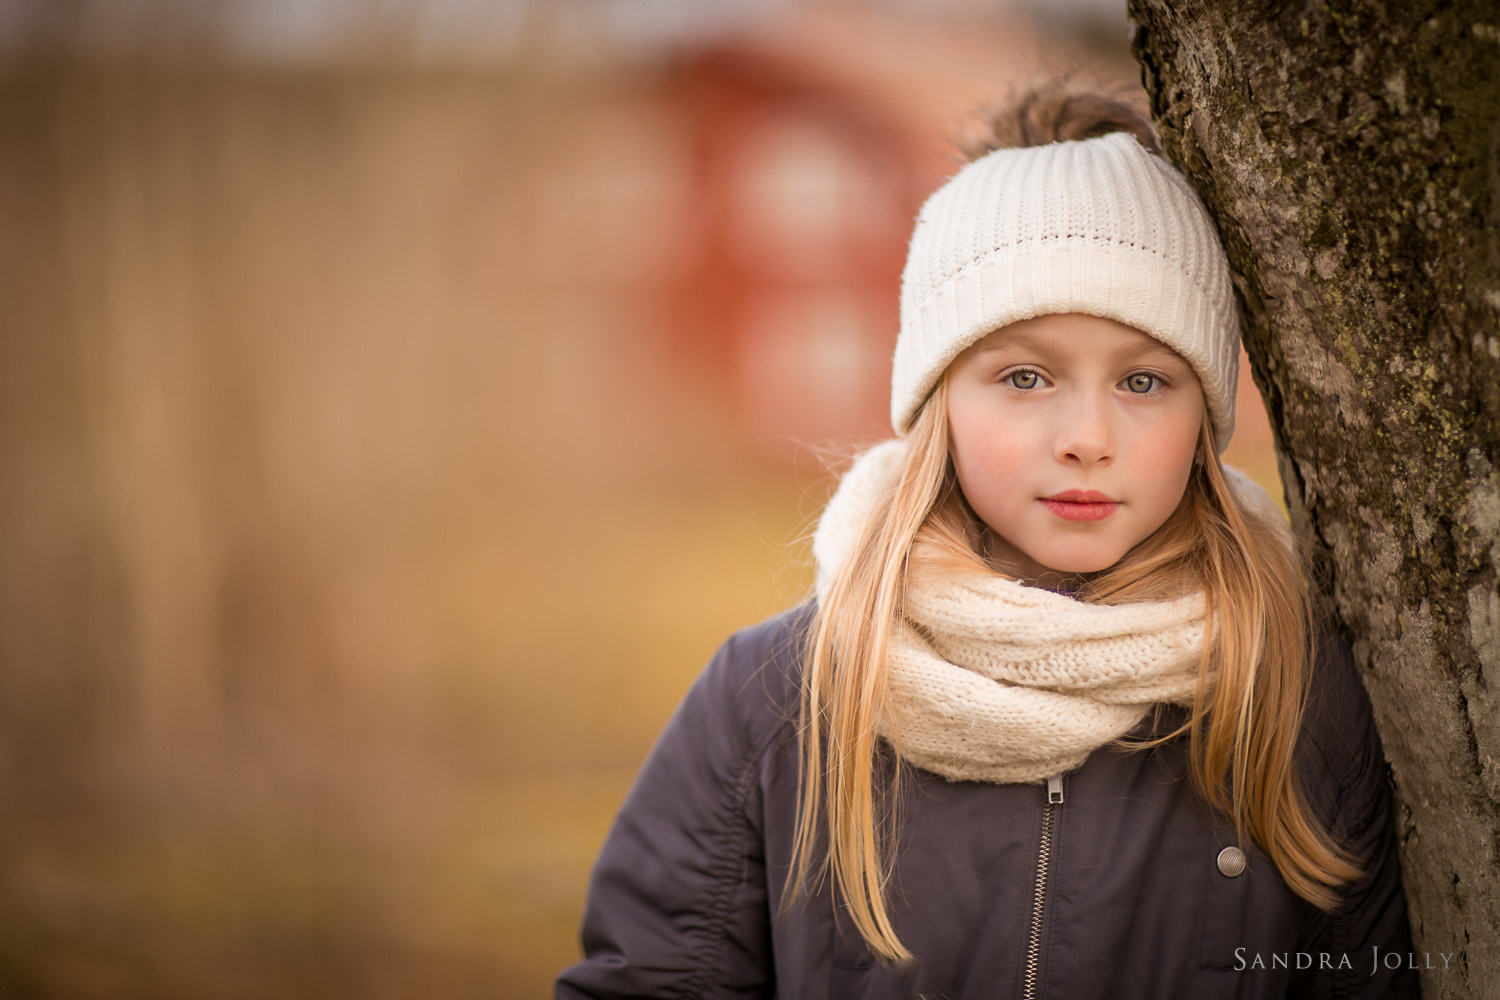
(1241, 737)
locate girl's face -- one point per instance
(1073, 437)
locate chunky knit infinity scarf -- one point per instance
(993, 680)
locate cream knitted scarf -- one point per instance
(993, 680)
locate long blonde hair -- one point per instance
(1241, 736)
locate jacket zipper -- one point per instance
(1044, 859)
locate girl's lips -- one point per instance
(1080, 510)
(1082, 496)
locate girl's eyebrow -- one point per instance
(1149, 347)
(1023, 341)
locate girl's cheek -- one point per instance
(1173, 441)
(1169, 460)
(1170, 446)
(998, 454)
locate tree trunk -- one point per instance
(1351, 154)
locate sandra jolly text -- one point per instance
(1391, 960)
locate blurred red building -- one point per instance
(806, 149)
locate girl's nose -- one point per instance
(1085, 437)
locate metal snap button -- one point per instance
(1231, 861)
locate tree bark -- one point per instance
(1350, 152)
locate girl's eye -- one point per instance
(1142, 383)
(1023, 379)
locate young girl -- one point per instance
(1057, 722)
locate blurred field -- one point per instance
(358, 529)
(331, 630)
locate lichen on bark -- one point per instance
(1350, 153)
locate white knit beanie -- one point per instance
(1097, 226)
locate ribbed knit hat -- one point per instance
(1097, 226)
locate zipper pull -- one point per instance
(1054, 789)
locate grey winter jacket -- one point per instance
(1108, 884)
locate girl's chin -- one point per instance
(1060, 562)
(1071, 567)
(1068, 560)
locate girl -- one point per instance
(1057, 722)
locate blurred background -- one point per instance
(399, 403)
